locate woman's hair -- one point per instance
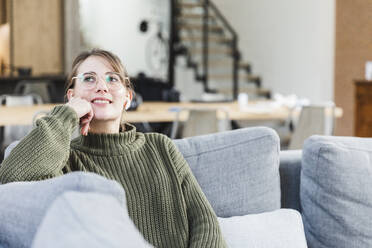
(111, 58)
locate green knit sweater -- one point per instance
(164, 200)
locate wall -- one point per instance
(290, 43)
(36, 35)
(72, 43)
(115, 26)
(353, 49)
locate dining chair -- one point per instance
(45, 89)
(200, 121)
(314, 119)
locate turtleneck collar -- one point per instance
(110, 144)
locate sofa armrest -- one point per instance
(290, 173)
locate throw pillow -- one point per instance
(88, 220)
(24, 204)
(280, 229)
(336, 192)
(237, 170)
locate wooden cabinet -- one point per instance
(363, 109)
(36, 35)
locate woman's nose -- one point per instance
(101, 85)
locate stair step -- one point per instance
(248, 78)
(252, 78)
(201, 27)
(244, 64)
(212, 50)
(254, 91)
(194, 16)
(210, 39)
(221, 62)
(191, 5)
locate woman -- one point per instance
(164, 200)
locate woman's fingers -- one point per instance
(81, 106)
(84, 129)
(90, 114)
(83, 110)
(85, 122)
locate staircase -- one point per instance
(202, 34)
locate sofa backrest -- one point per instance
(243, 154)
(237, 170)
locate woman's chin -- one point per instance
(104, 117)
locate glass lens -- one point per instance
(112, 78)
(88, 79)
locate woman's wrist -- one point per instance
(65, 114)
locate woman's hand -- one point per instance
(83, 110)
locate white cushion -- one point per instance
(282, 228)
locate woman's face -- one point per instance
(97, 83)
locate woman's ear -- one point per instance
(130, 96)
(70, 94)
(128, 101)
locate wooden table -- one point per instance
(160, 112)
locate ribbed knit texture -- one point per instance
(164, 200)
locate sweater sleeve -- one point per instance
(44, 151)
(203, 225)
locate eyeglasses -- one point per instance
(89, 80)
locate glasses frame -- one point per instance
(80, 76)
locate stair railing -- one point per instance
(234, 46)
(174, 39)
(205, 44)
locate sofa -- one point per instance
(328, 183)
(263, 197)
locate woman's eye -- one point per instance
(89, 79)
(112, 79)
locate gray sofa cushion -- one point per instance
(281, 228)
(88, 220)
(336, 192)
(237, 170)
(24, 204)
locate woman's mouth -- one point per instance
(101, 101)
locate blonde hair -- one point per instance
(114, 62)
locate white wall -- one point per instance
(289, 42)
(114, 25)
